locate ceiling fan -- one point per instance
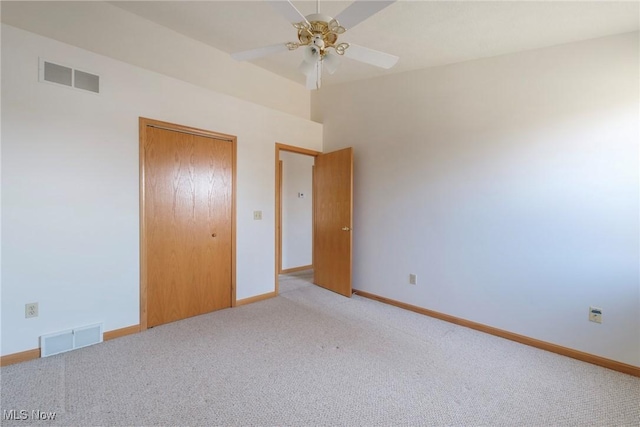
(318, 35)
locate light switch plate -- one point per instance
(257, 215)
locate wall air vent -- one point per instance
(59, 342)
(86, 81)
(67, 76)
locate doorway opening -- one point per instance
(294, 215)
(332, 217)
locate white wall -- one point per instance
(297, 214)
(108, 30)
(509, 185)
(70, 210)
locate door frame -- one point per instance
(143, 124)
(278, 219)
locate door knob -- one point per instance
(213, 235)
(346, 229)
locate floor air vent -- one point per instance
(59, 342)
(67, 76)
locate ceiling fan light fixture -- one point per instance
(318, 34)
(306, 67)
(311, 54)
(331, 62)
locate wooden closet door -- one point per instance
(188, 224)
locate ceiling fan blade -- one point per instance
(314, 78)
(370, 56)
(288, 10)
(248, 55)
(358, 11)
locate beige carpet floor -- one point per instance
(313, 358)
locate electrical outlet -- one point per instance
(413, 279)
(257, 215)
(595, 314)
(31, 310)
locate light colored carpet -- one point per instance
(310, 357)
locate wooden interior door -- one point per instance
(333, 216)
(188, 187)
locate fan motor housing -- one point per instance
(319, 26)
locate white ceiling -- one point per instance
(422, 33)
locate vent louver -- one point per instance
(86, 81)
(55, 73)
(67, 76)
